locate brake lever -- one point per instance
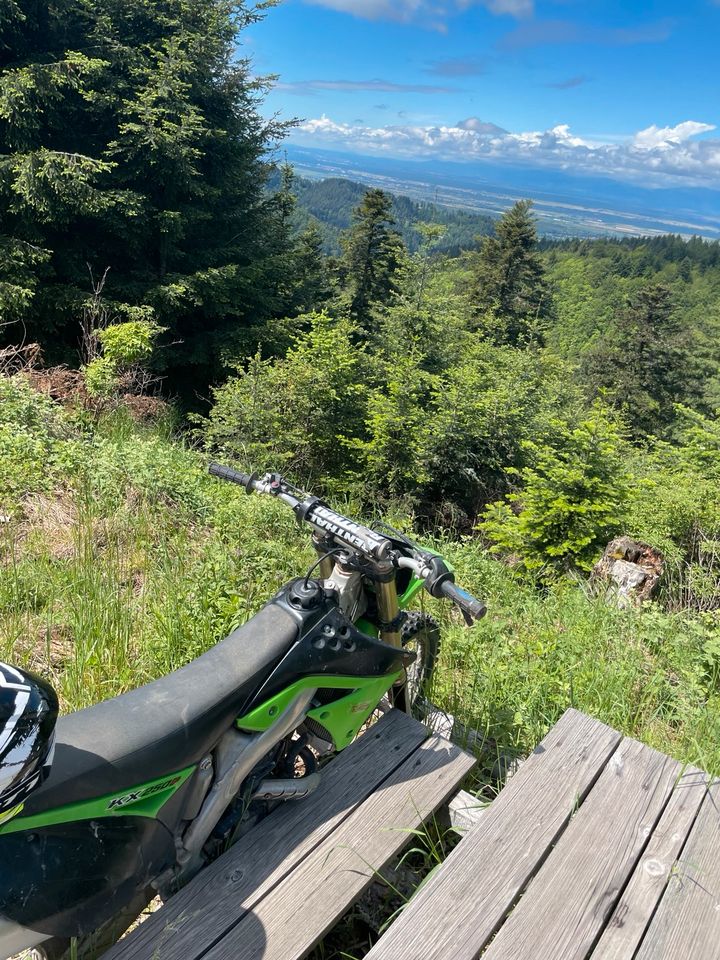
(466, 616)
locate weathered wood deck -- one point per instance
(599, 848)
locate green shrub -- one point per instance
(483, 413)
(100, 377)
(293, 412)
(129, 342)
(124, 346)
(23, 408)
(676, 508)
(37, 442)
(396, 425)
(571, 501)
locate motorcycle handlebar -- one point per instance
(342, 530)
(234, 476)
(327, 522)
(469, 605)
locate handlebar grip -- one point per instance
(470, 605)
(234, 476)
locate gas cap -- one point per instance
(306, 594)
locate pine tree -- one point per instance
(311, 283)
(645, 359)
(373, 253)
(511, 300)
(130, 140)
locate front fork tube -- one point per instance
(388, 605)
(383, 577)
(389, 613)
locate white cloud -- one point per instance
(666, 137)
(656, 155)
(431, 13)
(479, 126)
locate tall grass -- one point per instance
(651, 674)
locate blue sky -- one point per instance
(628, 90)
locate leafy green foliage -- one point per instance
(291, 412)
(396, 426)
(486, 408)
(130, 342)
(37, 443)
(124, 346)
(571, 502)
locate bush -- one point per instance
(572, 499)
(293, 413)
(396, 425)
(483, 413)
(37, 442)
(125, 346)
(676, 508)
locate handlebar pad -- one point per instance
(469, 605)
(234, 476)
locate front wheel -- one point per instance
(420, 633)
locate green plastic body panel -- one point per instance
(413, 589)
(342, 719)
(144, 800)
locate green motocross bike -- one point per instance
(130, 798)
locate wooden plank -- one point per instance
(199, 914)
(565, 907)
(289, 921)
(686, 925)
(456, 913)
(629, 921)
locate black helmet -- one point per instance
(28, 711)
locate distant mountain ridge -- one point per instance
(331, 201)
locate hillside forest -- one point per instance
(169, 292)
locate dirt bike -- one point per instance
(130, 798)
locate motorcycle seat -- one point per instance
(166, 725)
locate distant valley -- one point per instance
(330, 201)
(566, 205)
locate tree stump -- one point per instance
(628, 572)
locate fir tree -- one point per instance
(645, 359)
(130, 140)
(312, 286)
(372, 255)
(512, 303)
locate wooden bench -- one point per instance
(285, 884)
(599, 847)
